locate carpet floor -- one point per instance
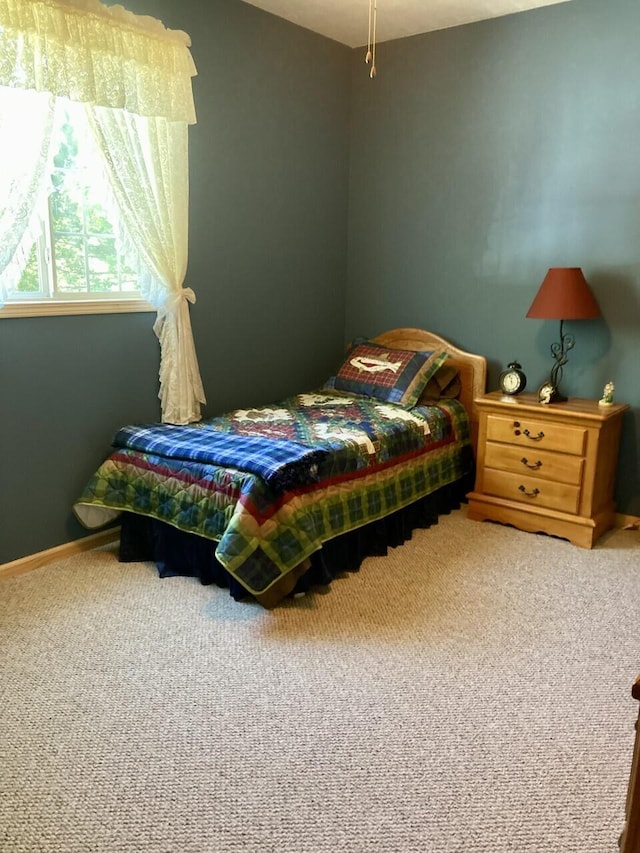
(468, 692)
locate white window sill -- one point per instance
(52, 307)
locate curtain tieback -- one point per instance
(176, 298)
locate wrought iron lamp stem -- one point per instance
(559, 352)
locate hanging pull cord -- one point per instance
(372, 73)
(370, 57)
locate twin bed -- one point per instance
(273, 500)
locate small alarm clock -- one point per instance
(512, 380)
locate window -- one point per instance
(131, 77)
(77, 264)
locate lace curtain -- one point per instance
(118, 63)
(26, 121)
(145, 160)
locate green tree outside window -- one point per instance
(80, 238)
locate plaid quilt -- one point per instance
(375, 458)
(282, 463)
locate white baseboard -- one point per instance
(60, 552)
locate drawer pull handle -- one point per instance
(532, 494)
(533, 437)
(534, 466)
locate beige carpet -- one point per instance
(470, 692)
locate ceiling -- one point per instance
(347, 21)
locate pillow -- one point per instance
(446, 383)
(391, 375)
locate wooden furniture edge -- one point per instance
(583, 531)
(575, 408)
(629, 840)
(59, 552)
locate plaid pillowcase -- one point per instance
(391, 375)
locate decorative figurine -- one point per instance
(607, 395)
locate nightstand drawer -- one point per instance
(545, 434)
(531, 491)
(533, 462)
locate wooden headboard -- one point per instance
(472, 368)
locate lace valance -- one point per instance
(102, 55)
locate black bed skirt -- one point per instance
(177, 553)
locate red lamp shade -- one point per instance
(564, 295)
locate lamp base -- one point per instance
(548, 393)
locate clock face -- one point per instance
(511, 382)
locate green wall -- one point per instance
(324, 205)
(481, 156)
(268, 206)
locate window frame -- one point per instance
(58, 308)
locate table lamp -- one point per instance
(563, 295)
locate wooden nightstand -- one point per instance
(547, 468)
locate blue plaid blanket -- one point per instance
(282, 464)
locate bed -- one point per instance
(272, 500)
